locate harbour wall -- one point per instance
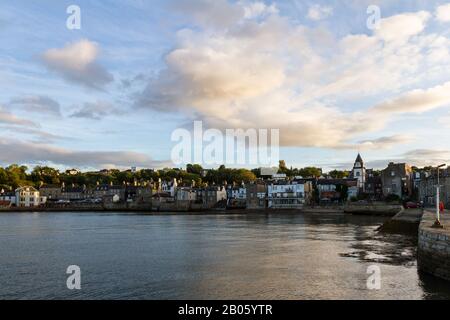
(433, 253)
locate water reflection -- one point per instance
(313, 256)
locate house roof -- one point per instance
(335, 181)
(359, 159)
(26, 187)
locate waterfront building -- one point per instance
(141, 194)
(427, 187)
(332, 190)
(8, 196)
(212, 195)
(288, 194)
(186, 194)
(169, 187)
(373, 186)
(237, 193)
(359, 173)
(236, 196)
(29, 197)
(73, 193)
(109, 190)
(396, 179)
(52, 192)
(256, 193)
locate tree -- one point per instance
(343, 191)
(194, 168)
(338, 174)
(282, 168)
(310, 172)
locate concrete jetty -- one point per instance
(406, 221)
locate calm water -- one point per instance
(313, 256)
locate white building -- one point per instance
(186, 194)
(359, 173)
(288, 194)
(238, 193)
(29, 197)
(169, 187)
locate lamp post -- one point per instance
(437, 223)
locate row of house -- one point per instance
(276, 191)
(426, 182)
(22, 197)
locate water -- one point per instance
(122, 256)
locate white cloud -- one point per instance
(384, 142)
(402, 26)
(15, 151)
(7, 117)
(269, 72)
(37, 103)
(443, 13)
(76, 62)
(37, 135)
(317, 12)
(96, 110)
(417, 101)
(258, 9)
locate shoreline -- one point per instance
(152, 211)
(175, 212)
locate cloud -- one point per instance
(317, 12)
(14, 151)
(443, 13)
(417, 101)
(38, 104)
(210, 13)
(258, 9)
(38, 136)
(445, 121)
(76, 62)
(8, 118)
(384, 142)
(426, 157)
(269, 72)
(402, 26)
(96, 110)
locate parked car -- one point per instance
(412, 205)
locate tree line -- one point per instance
(16, 175)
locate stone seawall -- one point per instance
(433, 253)
(380, 209)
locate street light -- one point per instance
(437, 223)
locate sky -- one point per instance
(111, 93)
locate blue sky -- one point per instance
(111, 93)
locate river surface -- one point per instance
(278, 256)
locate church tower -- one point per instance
(359, 172)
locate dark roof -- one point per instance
(359, 159)
(334, 181)
(73, 189)
(106, 187)
(8, 194)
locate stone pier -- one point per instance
(433, 254)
